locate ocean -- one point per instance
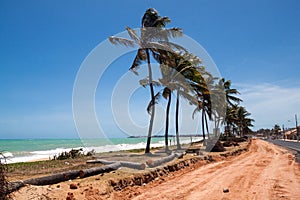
(25, 150)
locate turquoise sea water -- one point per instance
(23, 150)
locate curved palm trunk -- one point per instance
(147, 150)
(177, 121)
(167, 123)
(203, 131)
(206, 124)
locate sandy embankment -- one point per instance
(266, 171)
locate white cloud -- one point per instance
(270, 104)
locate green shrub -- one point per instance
(73, 153)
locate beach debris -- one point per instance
(14, 186)
(160, 161)
(98, 170)
(53, 178)
(225, 190)
(132, 165)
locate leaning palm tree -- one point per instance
(227, 103)
(230, 92)
(192, 71)
(181, 78)
(243, 121)
(171, 80)
(203, 104)
(230, 119)
(153, 39)
(176, 71)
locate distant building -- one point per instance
(291, 134)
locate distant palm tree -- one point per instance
(230, 119)
(243, 121)
(154, 40)
(230, 92)
(232, 104)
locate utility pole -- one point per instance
(297, 132)
(283, 135)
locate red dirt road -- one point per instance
(266, 171)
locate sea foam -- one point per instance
(49, 154)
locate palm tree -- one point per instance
(276, 130)
(243, 121)
(186, 65)
(153, 40)
(231, 103)
(167, 94)
(176, 71)
(230, 92)
(172, 79)
(203, 105)
(192, 72)
(230, 118)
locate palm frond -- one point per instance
(156, 34)
(174, 46)
(138, 60)
(161, 22)
(197, 109)
(172, 32)
(121, 41)
(133, 35)
(153, 46)
(156, 83)
(166, 92)
(234, 99)
(144, 82)
(152, 102)
(232, 91)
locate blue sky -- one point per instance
(255, 44)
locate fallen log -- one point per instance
(54, 178)
(98, 170)
(132, 165)
(105, 162)
(14, 186)
(160, 161)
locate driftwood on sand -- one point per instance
(98, 170)
(45, 180)
(160, 161)
(63, 176)
(133, 165)
(73, 174)
(53, 178)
